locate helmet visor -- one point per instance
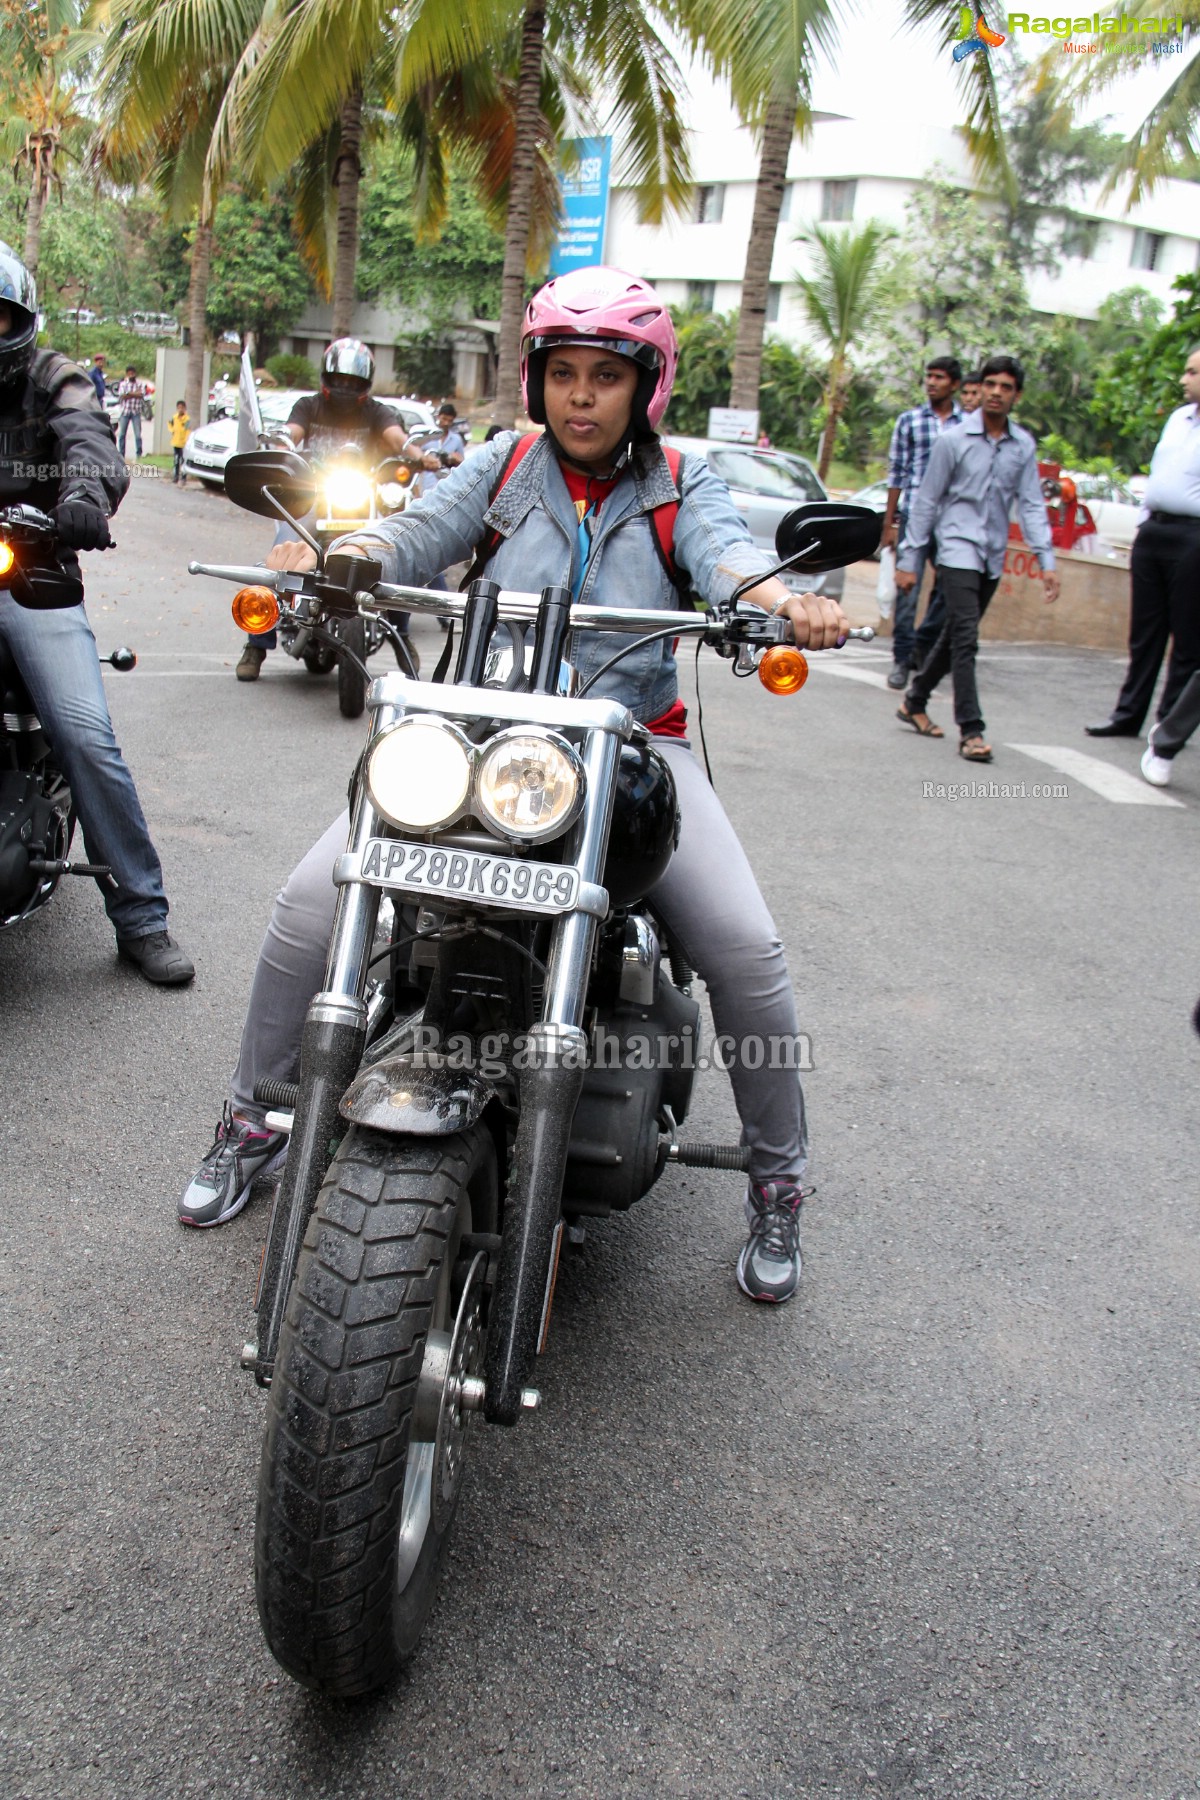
(645, 354)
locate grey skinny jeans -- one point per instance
(710, 903)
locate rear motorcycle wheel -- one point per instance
(318, 658)
(352, 685)
(357, 1491)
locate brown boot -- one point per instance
(252, 659)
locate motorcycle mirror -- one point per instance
(826, 534)
(260, 481)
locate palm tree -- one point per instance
(841, 299)
(166, 73)
(41, 119)
(765, 47)
(502, 77)
(1166, 142)
(983, 127)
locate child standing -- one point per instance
(180, 426)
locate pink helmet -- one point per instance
(595, 306)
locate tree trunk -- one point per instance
(202, 249)
(38, 194)
(520, 212)
(347, 178)
(779, 126)
(835, 406)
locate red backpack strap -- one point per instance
(663, 518)
(491, 540)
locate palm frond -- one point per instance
(983, 129)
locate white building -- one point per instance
(858, 169)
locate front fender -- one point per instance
(417, 1097)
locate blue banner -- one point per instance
(584, 188)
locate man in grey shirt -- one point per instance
(974, 476)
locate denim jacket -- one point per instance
(535, 518)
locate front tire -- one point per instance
(352, 685)
(347, 1553)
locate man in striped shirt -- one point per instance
(913, 439)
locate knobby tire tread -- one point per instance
(340, 1406)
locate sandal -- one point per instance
(928, 729)
(974, 749)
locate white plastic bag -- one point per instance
(885, 587)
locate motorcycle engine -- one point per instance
(27, 819)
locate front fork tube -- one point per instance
(550, 1086)
(331, 1049)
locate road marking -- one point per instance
(824, 660)
(1117, 785)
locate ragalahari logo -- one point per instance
(975, 34)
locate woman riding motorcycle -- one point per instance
(598, 360)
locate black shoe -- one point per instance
(158, 957)
(898, 676)
(1113, 728)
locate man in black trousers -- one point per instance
(1165, 571)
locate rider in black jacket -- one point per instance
(57, 453)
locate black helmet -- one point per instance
(347, 370)
(19, 292)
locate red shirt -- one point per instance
(592, 491)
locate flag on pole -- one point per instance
(249, 417)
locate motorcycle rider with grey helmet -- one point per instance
(57, 453)
(343, 412)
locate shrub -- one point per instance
(294, 371)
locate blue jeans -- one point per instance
(128, 419)
(909, 646)
(56, 654)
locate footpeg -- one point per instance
(705, 1156)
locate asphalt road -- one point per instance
(930, 1530)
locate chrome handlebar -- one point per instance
(515, 605)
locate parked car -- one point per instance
(766, 484)
(152, 324)
(1113, 504)
(210, 446)
(874, 496)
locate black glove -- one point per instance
(82, 525)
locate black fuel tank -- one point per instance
(645, 827)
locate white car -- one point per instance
(765, 485)
(1114, 505)
(210, 446)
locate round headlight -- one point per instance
(419, 774)
(529, 785)
(347, 492)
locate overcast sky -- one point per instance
(883, 68)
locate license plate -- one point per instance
(509, 881)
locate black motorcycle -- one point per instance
(346, 495)
(37, 818)
(454, 1116)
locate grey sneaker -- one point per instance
(221, 1185)
(769, 1266)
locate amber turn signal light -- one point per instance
(783, 669)
(255, 609)
(7, 558)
